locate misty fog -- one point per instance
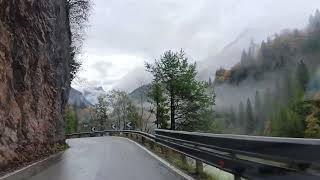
(140, 31)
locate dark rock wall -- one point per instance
(34, 78)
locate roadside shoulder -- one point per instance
(33, 169)
(173, 169)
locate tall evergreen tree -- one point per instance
(302, 75)
(244, 58)
(250, 122)
(287, 123)
(186, 95)
(162, 110)
(258, 111)
(210, 82)
(241, 114)
(257, 103)
(232, 117)
(288, 86)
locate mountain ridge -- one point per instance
(77, 99)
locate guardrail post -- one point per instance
(142, 140)
(139, 138)
(151, 145)
(199, 167)
(161, 149)
(167, 152)
(236, 176)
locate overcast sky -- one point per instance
(123, 34)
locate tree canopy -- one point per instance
(187, 97)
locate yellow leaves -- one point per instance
(236, 67)
(312, 125)
(317, 96)
(268, 128)
(223, 75)
(226, 74)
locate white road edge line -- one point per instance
(164, 162)
(30, 167)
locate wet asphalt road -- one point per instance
(105, 158)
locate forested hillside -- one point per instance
(274, 89)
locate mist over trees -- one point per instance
(285, 106)
(274, 90)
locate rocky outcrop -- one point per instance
(77, 99)
(34, 78)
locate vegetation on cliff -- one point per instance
(78, 15)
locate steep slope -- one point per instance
(92, 94)
(273, 88)
(134, 79)
(77, 99)
(34, 78)
(140, 92)
(230, 54)
(140, 95)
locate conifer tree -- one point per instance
(241, 114)
(250, 122)
(162, 110)
(258, 111)
(187, 97)
(302, 75)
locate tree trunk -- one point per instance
(172, 113)
(142, 112)
(124, 119)
(119, 122)
(158, 115)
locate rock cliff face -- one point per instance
(34, 78)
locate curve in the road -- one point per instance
(106, 158)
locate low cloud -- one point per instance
(124, 34)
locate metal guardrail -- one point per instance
(251, 157)
(109, 132)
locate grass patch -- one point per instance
(175, 159)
